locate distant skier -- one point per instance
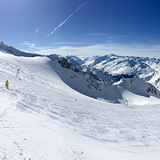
(7, 84)
(125, 103)
(17, 75)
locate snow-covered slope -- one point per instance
(140, 87)
(41, 117)
(88, 84)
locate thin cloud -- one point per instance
(99, 34)
(70, 43)
(28, 44)
(144, 50)
(107, 35)
(60, 25)
(37, 30)
(32, 45)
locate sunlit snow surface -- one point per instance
(41, 118)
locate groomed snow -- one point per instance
(42, 118)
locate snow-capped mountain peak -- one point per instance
(112, 68)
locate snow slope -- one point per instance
(88, 84)
(42, 118)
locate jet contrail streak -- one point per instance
(60, 25)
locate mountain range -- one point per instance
(56, 110)
(112, 68)
(105, 77)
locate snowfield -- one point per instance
(42, 118)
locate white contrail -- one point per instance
(60, 25)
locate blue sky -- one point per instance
(82, 27)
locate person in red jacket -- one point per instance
(7, 84)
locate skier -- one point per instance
(17, 75)
(7, 84)
(126, 102)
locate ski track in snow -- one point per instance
(40, 105)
